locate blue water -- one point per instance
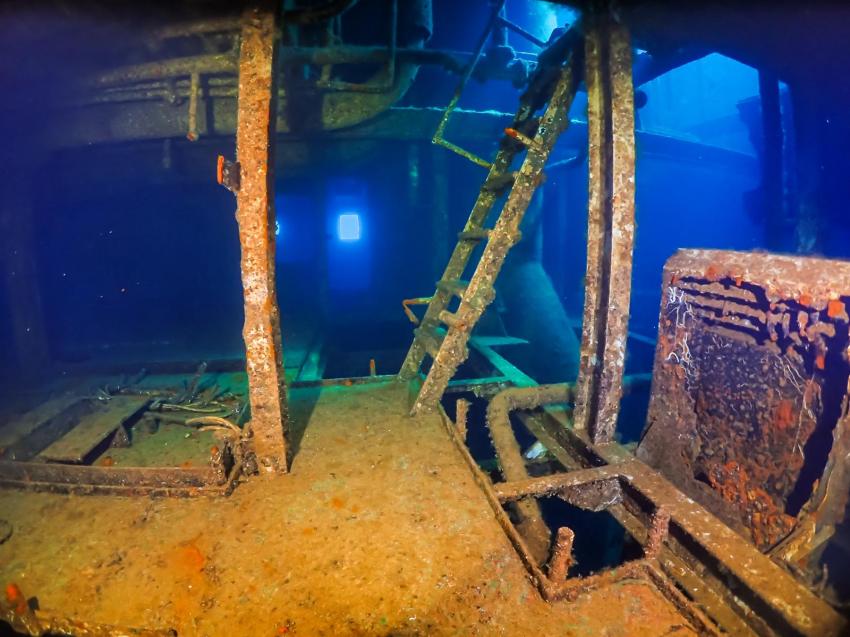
(135, 248)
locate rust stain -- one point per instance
(835, 309)
(16, 598)
(187, 558)
(784, 414)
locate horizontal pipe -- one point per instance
(226, 63)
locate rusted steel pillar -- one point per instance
(255, 214)
(611, 224)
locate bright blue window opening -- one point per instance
(348, 227)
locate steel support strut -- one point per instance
(611, 224)
(255, 212)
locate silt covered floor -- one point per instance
(379, 529)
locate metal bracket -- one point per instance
(228, 174)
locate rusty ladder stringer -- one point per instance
(449, 348)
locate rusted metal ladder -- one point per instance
(448, 346)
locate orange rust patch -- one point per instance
(187, 558)
(13, 593)
(834, 308)
(308, 530)
(784, 413)
(186, 464)
(768, 522)
(106, 462)
(16, 598)
(712, 272)
(337, 503)
(739, 280)
(219, 170)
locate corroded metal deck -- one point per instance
(379, 529)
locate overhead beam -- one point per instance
(255, 213)
(611, 225)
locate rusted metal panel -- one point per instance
(255, 214)
(610, 234)
(749, 382)
(46, 426)
(92, 430)
(17, 428)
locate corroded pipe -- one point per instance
(498, 420)
(531, 524)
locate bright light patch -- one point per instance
(277, 227)
(348, 227)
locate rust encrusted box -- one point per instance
(748, 412)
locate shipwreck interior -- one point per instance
(424, 317)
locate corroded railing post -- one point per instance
(611, 224)
(255, 214)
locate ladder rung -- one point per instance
(452, 320)
(499, 183)
(478, 234)
(453, 286)
(430, 338)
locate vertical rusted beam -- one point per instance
(461, 417)
(255, 214)
(562, 555)
(611, 223)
